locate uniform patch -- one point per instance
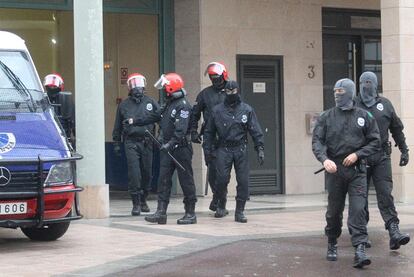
(244, 118)
(149, 107)
(380, 106)
(184, 114)
(173, 112)
(7, 142)
(361, 121)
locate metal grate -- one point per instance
(7, 117)
(263, 183)
(259, 71)
(23, 179)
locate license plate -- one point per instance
(13, 208)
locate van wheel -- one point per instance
(48, 232)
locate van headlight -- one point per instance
(59, 174)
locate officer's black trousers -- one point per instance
(139, 159)
(184, 155)
(212, 175)
(226, 157)
(379, 169)
(352, 181)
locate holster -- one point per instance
(361, 165)
(387, 147)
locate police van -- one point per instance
(38, 191)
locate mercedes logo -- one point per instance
(5, 176)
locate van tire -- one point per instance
(46, 233)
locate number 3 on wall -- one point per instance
(311, 73)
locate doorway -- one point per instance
(260, 79)
(351, 45)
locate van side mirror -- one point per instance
(66, 104)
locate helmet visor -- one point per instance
(137, 82)
(162, 81)
(53, 81)
(214, 68)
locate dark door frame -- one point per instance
(279, 59)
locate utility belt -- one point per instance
(137, 139)
(360, 165)
(181, 143)
(232, 143)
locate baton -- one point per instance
(169, 154)
(319, 171)
(206, 188)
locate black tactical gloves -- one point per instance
(404, 158)
(166, 147)
(117, 149)
(195, 137)
(260, 155)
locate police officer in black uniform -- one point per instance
(379, 164)
(343, 138)
(231, 121)
(138, 146)
(174, 120)
(62, 104)
(205, 101)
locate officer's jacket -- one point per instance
(205, 102)
(231, 125)
(387, 119)
(174, 120)
(129, 108)
(339, 133)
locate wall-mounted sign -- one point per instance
(259, 87)
(124, 75)
(311, 119)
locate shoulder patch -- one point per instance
(184, 114)
(380, 107)
(361, 121)
(149, 107)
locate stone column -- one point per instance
(397, 21)
(90, 123)
(187, 64)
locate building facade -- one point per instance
(286, 55)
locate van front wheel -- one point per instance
(48, 232)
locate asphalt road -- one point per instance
(294, 256)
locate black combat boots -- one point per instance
(160, 215)
(136, 208)
(189, 216)
(332, 253)
(144, 205)
(239, 215)
(221, 208)
(361, 259)
(396, 238)
(213, 204)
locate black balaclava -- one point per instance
(52, 92)
(232, 93)
(345, 101)
(218, 81)
(368, 84)
(137, 93)
(178, 94)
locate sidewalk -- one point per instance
(122, 242)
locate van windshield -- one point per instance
(19, 88)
